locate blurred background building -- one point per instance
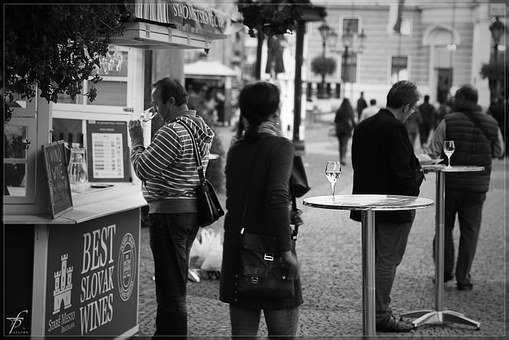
(439, 46)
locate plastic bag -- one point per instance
(212, 250)
(207, 251)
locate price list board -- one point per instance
(108, 159)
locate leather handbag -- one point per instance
(209, 207)
(262, 272)
(299, 185)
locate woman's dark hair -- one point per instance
(171, 88)
(346, 106)
(257, 102)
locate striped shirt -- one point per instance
(167, 166)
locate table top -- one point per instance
(454, 168)
(368, 202)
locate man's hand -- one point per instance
(136, 133)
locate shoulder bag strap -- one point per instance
(477, 123)
(199, 165)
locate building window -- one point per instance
(349, 68)
(406, 27)
(351, 24)
(399, 68)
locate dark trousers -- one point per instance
(424, 131)
(280, 323)
(390, 245)
(468, 205)
(343, 145)
(171, 238)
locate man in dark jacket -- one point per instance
(428, 117)
(384, 163)
(361, 105)
(477, 139)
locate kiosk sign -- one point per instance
(92, 277)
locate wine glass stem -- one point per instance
(448, 161)
(333, 189)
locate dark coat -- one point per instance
(345, 121)
(258, 171)
(473, 138)
(384, 163)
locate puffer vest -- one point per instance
(473, 146)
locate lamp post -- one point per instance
(496, 29)
(348, 39)
(326, 32)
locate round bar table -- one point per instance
(439, 315)
(368, 204)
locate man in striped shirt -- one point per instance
(167, 168)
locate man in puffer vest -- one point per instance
(477, 139)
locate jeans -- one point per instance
(468, 206)
(390, 245)
(171, 238)
(282, 322)
(424, 131)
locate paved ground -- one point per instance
(329, 250)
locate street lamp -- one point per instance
(348, 40)
(327, 33)
(497, 29)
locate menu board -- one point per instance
(58, 178)
(108, 159)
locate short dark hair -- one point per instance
(402, 93)
(372, 102)
(426, 98)
(258, 101)
(171, 88)
(467, 93)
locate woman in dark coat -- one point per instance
(345, 123)
(258, 169)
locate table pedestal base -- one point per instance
(427, 317)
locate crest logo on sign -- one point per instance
(63, 285)
(127, 264)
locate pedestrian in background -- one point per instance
(167, 168)
(258, 170)
(384, 163)
(370, 111)
(428, 115)
(345, 122)
(361, 105)
(477, 139)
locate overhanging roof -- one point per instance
(204, 69)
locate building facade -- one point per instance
(442, 45)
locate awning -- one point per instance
(173, 24)
(207, 69)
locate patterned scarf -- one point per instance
(271, 126)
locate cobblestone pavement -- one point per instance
(329, 250)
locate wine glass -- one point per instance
(448, 150)
(332, 172)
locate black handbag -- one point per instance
(262, 273)
(209, 207)
(298, 181)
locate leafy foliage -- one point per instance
(323, 65)
(271, 17)
(56, 47)
(495, 71)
